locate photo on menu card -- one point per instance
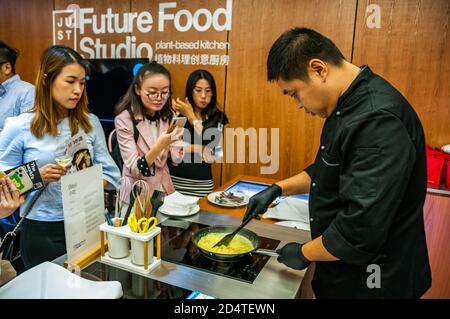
(77, 148)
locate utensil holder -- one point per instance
(149, 249)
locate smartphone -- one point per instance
(25, 177)
(177, 121)
(21, 179)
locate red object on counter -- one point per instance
(447, 170)
(435, 166)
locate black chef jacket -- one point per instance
(368, 187)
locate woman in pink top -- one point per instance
(148, 98)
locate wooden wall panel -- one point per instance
(411, 51)
(251, 101)
(437, 225)
(27, 26)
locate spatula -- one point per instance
(157, 200)
(225, 241)
(130, 207)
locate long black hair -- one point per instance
(211, 113)
(131, 99)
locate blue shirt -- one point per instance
(18, 146)
(16, 97)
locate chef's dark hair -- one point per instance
(290, 54)
(8, 54)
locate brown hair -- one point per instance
(45, 120)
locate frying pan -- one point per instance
(254, 239)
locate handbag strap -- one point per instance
(14, 231)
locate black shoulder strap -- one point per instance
(29, 208)
(136, 132)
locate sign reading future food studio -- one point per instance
(90, 33)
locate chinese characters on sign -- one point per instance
(192, 59)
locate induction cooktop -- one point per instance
(177, 247)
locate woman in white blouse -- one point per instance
(60, 111)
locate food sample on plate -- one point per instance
(228, 198)
(239, 244)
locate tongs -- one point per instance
(225, 241)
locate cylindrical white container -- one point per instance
(118, 246)
(137, 251)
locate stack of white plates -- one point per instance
(177, 204)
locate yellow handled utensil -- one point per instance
(146, 225)
(133, 223)
(143, 225)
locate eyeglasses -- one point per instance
(152, 96)
(207, 91)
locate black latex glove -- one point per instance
(291, 255)
(259, 202)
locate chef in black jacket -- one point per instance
(367, 184)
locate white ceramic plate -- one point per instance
(227, 203)
(193, 211)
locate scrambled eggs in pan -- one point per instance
(239, 244)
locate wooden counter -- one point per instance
(238, 211)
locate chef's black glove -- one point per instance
(291, 255)
(259, 202)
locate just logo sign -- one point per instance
(82, 28)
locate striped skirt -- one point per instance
(193, 187)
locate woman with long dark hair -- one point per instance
(147, 103)
(205, 123)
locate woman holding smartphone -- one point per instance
(193, 176)
(147, 103)
(60, 111)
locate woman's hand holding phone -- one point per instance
(185, 108)
(167, 138)
(176, 122)
(10, 199)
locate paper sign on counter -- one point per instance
(83, 204)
